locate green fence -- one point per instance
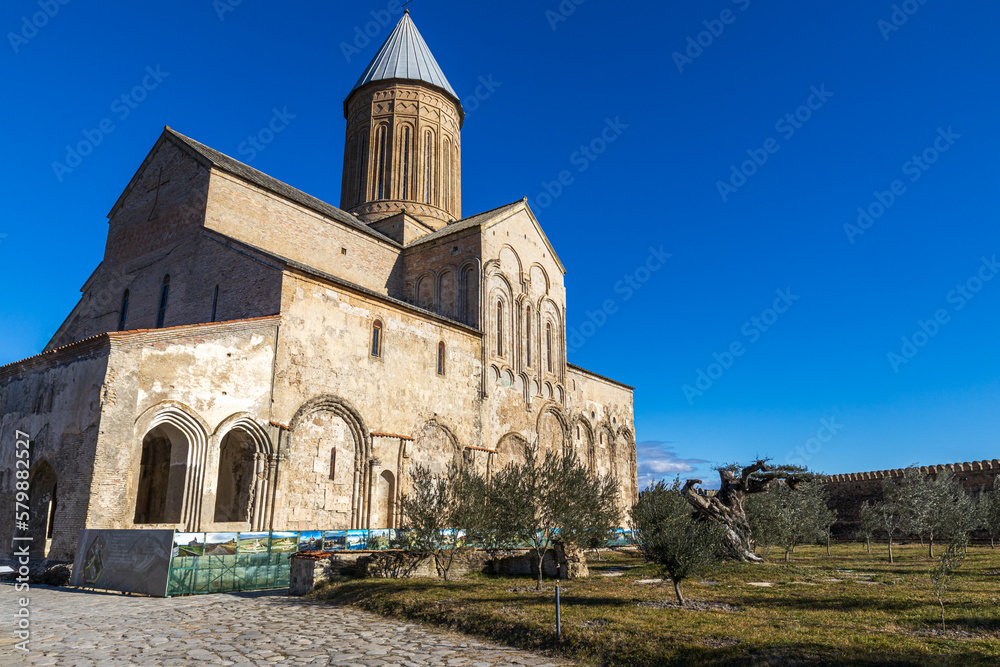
(203, 563)
(195, 575)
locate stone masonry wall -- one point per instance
(264, 220)
(56, 400)
(848, 492)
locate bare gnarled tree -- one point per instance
(726, 505)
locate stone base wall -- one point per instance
(311, 569)
(848, 492)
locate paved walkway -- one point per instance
(70, 627)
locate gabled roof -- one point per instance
(484, 220)
(213, 158)
(405, 55)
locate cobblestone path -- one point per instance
(70, 627)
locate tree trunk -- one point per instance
(828, 545)
(677, 591)
(786, 555)
(868, 544)
(726, 508)
(890, 549)
(541, 559)
(930, 544)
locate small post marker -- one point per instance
(558, 615)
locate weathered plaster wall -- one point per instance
(56, 400)
(204, 378)
(325, 366)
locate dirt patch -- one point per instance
(689, 605)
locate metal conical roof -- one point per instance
(405, 55)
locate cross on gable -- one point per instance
(159, 184)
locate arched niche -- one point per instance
(42, 505)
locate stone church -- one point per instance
(248, 357)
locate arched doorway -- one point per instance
(42, 508)
(234, 497)
(386, 500)
(162, 476)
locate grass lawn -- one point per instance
(850, 608)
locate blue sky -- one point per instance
(739, 137)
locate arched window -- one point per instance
(441, 358)
(446, 176)
(123, 313)
(499, 328)
(377, 338)
(429, 166)
(363, 168)
(548, 346)
(527, 328)
(215, 302)
(406, 162)
(380, 161)
(161, 315)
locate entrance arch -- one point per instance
(386, 500)
(171, 469)
(42, 507)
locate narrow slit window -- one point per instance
(333, 463)
(406, 162)
(499, 328)
(548, 346)
(380, 164)
(363, 171)
(527, 328)
(215, 303)
(429, 162)
(123, 313)
(161, 314)
(377, 339)
(441, 358)
(446, 176)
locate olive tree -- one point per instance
(438, 508)
(554, 499)
(670, 536)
